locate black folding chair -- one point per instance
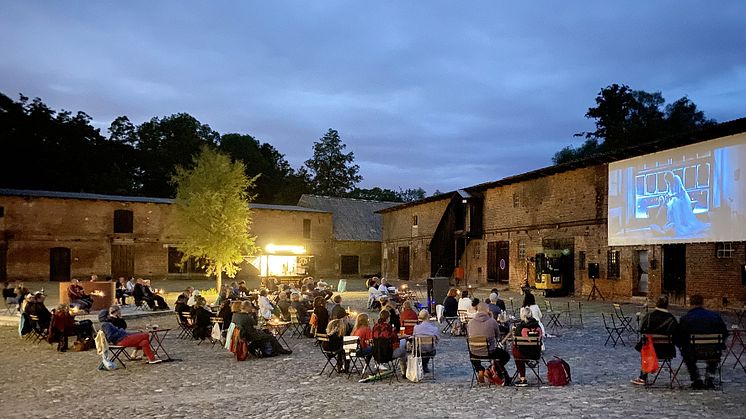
(705, 348)
(383, 353)
(297, 328)
(449, 323)
(663, 362)
(185, 325)
(529, 352)
(624, 321)
(117, 352)
(331, 355)
(37, 333)
(358, 362)
(11, 301)
(614, 331)
(553, 317)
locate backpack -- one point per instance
(558, 372)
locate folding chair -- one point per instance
(185, 325)
(11, 302)
(663, 362)
(358, 362)
(140, 304)
(553, 317)
(117, 352)
(614, 331)
(427, 341)
(383, 353)
(409, 324)
(449, 323)
(624, 321)
(528, 350)
(464, 319)
(219, 321)
(570, 305)
(705, 348)
(295, 324)
(478, 345)
(331, 356)
(37, 333)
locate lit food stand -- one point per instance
(284, 262)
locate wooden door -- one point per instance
(503, 259)
(674, 270)
(491, 261)
(59, 264)
(3, 261)
(122, 260)
(403, 262)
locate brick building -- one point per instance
(356, 251)
(56, 235)
(556, 220)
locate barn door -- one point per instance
(59, 264)
(122, 260)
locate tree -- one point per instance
(411, 195)
(332, 172)
(626, 117)
(164, 144)
(375, 194)
(211, 210)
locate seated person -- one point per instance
(321, 313)
(21, 292)
(246, 323)
(115, 316)
(63, 325)
(78, 297)
(699, 320)
(153, 297)
(226, 312)
(283, 303)
(242, 289)
(661, 322)
(495, 298)
(120, 337)
(131, 285)
(300, 307)
(472, 310)
(322, 288)
(464, 304)
(450, 304)
(338, 312)
(495, 310)
(266, 308)
(335, 331)
(121, 290)
(528, 326)
(181, 306)
(201, 318)
(484, 325)
(373, 294)
(426, 328)
(362, 330)
(138, 294)
(385, 333)
(9, 294)
(35, 307)
(394, 318)
(408, 313)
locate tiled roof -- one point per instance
(354, 219)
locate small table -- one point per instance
(278, 329)
(156, 341)
(740, 313)
(736, 340)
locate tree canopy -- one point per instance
(332, 171)
(625, 117)
(211, 212)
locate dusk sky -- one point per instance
(432, 94)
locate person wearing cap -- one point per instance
(118, 336)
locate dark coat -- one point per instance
(662, 323)
(450, 307)
(699, 321)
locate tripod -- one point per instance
(595, 291)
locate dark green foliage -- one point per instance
(375, 194)
(626, 117)
(332, 171)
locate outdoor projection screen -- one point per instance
(695, 193)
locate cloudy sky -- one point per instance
(432, 94)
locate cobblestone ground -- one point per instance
(38, 381)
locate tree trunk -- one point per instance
(219, 278)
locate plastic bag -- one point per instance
(649, 357)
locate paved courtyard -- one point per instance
(205, 382)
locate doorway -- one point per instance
(59, 264)
(674, 272)
(3, 261)
(122, 260)
(641, 277)
(403, 262)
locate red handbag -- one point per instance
(649, 357)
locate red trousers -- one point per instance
(138, 340)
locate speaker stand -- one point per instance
(595, 290)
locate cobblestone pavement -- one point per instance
(38, 381)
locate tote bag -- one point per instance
(414, 365)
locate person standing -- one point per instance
(700, 321)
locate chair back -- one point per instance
(707, 347)
(478, 346)
(613, 321)
(425, 343)
(462, 316)
(383, 351)
(548, 305)
(618, 310)
(184, 317)
(528, 346)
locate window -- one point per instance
(613, 263)
(415, 220)
(306, 228)
(521, 250)
(725, 250)
(581, 260)
(2, 212)
(122, 221)
(349, 265)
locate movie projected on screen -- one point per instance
(695, 193)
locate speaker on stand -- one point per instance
(437, 289)
(593, 274)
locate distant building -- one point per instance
(606, 217)
(356, 251)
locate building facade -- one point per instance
(554, 221)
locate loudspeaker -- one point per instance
(593, 271)
(437, 289)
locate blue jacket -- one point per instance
(699, 321)
(113, 333)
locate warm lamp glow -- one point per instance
(274, 248)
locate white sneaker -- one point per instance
(155, 361)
